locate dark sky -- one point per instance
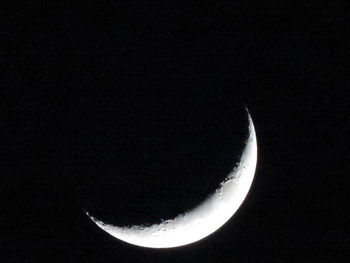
(135, 112)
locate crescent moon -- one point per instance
(202, 220)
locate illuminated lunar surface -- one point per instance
(202, 220)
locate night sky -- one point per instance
(136, 112)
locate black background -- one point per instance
(135, 112)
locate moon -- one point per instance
(203, 220)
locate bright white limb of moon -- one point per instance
(202, 220)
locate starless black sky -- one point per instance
(136, 111)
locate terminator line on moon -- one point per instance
(202, 220)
